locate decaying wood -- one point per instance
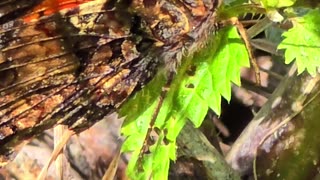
(73, 66)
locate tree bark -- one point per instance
(282, 141)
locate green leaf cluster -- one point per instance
(277, 3)
(302, 42)
(200, 82)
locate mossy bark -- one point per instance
(283, 140)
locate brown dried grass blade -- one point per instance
(58, 132)
(66, 136)
(112, 169)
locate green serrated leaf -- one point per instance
(189, 97)
(302, 42)
(174, 126)
(215, 104)
(230, 58)
(197, 110)
(161, 161)
(132, 142)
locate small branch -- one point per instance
(192, 143)
(285, 127)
